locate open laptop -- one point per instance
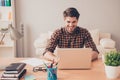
(74, 58)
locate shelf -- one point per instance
(5, 21)
(4, 46)
(5, 9)
(7, 16)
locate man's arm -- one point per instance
(52, 43)
(89, 43)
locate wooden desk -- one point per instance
(96, 73)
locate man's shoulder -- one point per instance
(81, 29)
(60, 30)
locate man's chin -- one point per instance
(70, 31)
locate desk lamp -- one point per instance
(14, 34)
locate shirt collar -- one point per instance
(74, 32)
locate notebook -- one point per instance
(74, 58)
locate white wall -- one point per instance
(45, 15)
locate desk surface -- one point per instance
(96, 73)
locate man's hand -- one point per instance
(51, 57)
(94, 55)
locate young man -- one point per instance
(70, 36)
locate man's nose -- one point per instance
(71, 24)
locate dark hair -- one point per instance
(71, 12)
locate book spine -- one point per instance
(2, 78)
(15, 78)
(7, 2)
(13, 75)
(11, 72)
(2, 3)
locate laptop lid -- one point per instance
(74, 58)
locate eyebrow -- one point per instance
(72, 22)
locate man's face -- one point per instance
(70, 23)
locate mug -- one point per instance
(52, 73)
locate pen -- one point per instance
(52, 64)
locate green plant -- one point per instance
(112, 58)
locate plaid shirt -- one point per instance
(79, 38)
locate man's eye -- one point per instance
(74, 22)
(68, 21)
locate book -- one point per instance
(15, 67)
(7, 2)
(12, 74)
(14, 78)
(2, 2)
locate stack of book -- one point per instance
(14, 71)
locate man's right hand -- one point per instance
(51, 57)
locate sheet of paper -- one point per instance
(2, 68)
(34, 61)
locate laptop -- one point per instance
(74, 58)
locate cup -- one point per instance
(52, 73)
